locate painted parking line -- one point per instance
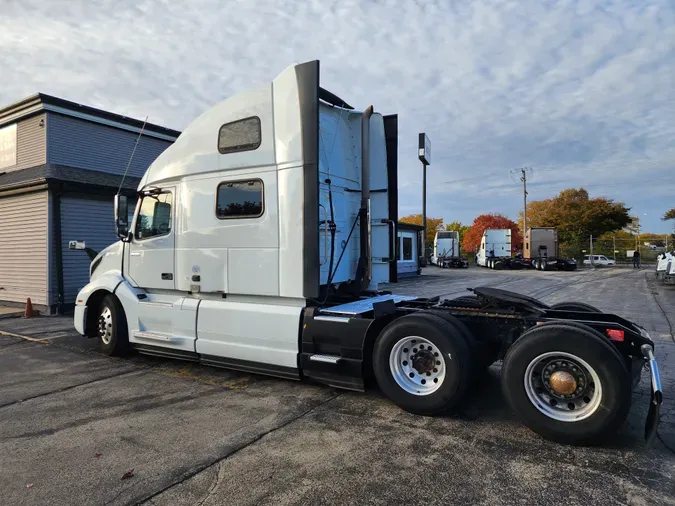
(26, 338)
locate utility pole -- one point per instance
(591, 257)
(523, 178)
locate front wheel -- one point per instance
(422, 363)
(567, 383)
(112, 327)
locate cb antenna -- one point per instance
(132, 155)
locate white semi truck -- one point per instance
(665, 267)
(258, 243)
(447, 251)
(495, 248)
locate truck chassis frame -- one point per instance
(496, 321)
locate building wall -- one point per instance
(89, 220)
(23, 247)
(31, 143)
(83, 218)
(87, 145)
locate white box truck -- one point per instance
(258, 243)
(447, 250)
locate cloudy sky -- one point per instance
(581, 91)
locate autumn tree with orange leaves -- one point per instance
(483, 222)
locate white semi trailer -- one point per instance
(258, 243)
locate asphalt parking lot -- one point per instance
(77, 427)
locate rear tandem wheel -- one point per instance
(567, 383)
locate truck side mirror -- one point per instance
(76, 245)
(121, 216)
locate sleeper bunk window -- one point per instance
(240, 199)
(241, 135)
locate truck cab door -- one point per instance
(152, 248)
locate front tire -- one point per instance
(422, 363)
(112, 329)
(567, 383)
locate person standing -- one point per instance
(636, 259)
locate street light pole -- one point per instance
(424, 205)
(424, 154)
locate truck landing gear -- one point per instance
(422, 363)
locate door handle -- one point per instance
(167, 275)
(136, 254)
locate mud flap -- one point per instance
(656, 398)
(653, 418)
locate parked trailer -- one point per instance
(248, 251)
(447, 250)
(541, 250)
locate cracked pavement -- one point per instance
(73, 422)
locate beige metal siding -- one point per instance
(23, 247)
(31, 143)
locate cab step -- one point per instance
(329, 359)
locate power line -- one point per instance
(592, 185)
(589, 166)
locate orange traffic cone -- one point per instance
(29, 309)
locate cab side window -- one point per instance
(154, 216)
(240, 199)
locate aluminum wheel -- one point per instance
(105, 325)
(563, 386)
(417, 365)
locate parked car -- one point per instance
(598, 260)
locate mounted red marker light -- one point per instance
(616, 335)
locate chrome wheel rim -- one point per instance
(105, 325)
(563, 386)
(417, 365)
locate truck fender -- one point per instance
(111, 282)
(107, 282)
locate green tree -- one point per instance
(634, 226)
(456, 226)
(669, 215)
(577, 217)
